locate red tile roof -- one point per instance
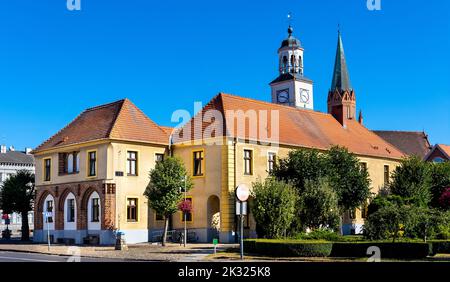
(120, 120)
(409, 142)
(445, 149)
(297, 127)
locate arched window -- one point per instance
(77, 164)
(70, 163)
(438, 160)
(300, 62)
(94, 212)
(284, 64)
(70, 212)
(49, 213)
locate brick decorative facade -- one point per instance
(82, 192)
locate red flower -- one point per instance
(185, 206)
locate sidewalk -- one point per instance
(141, 252)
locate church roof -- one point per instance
(120, 120)
(297, 127)
(341, 79)
(409, 142)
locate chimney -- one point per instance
(11, 148)
(28, 151)
(3, 149)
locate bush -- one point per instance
(388, 250)
(440, 247)
(281, 248)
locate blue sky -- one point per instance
(164, 55)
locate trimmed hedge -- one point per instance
(280, 248)
(440, 247)
(404, 250)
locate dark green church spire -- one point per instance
(341, 79)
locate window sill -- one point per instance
(132, 174)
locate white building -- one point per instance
(12, 161)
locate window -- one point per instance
(92, 163)
(132, 205)
(189, 215)
(131, 163)
(47, 168)
(95, 210)
(271, 161)
(49, 205)
(77, 162)
(363, 166)
(198, 163)
(248, 170)
(386, 175)
(159, 158)
(352, 214)
(70, 163)
(71, 210)
(364, 210)
(438, 160)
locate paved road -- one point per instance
(32, 257)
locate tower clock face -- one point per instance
(283, 96)
(304, 95)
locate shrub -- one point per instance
(401, 250)
(273, 207)
(288, 248)
(440, 247)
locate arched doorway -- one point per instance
(213, 208)
(94, 212)
(70, 212)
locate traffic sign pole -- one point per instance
(242, 229)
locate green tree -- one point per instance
(440, 180)
(319, 205)
(165, 189)
(273, 207)
(424, 223)
(300, 166)
(351, 183)
(17, 195)
(412, 181)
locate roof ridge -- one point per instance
(105, 105)
(273, 104)
(139, 110)
(400, 131)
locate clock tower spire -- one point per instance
(291, 87)
(341, 97)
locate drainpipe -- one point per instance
(234, 186)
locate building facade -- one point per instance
(91, 175)
(11, 161)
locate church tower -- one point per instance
(291, 87)
(341, 97)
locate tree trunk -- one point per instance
(341, 223)
(25, 227)
(166, 227)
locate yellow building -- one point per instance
(92, 174)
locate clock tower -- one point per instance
(291, 87)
